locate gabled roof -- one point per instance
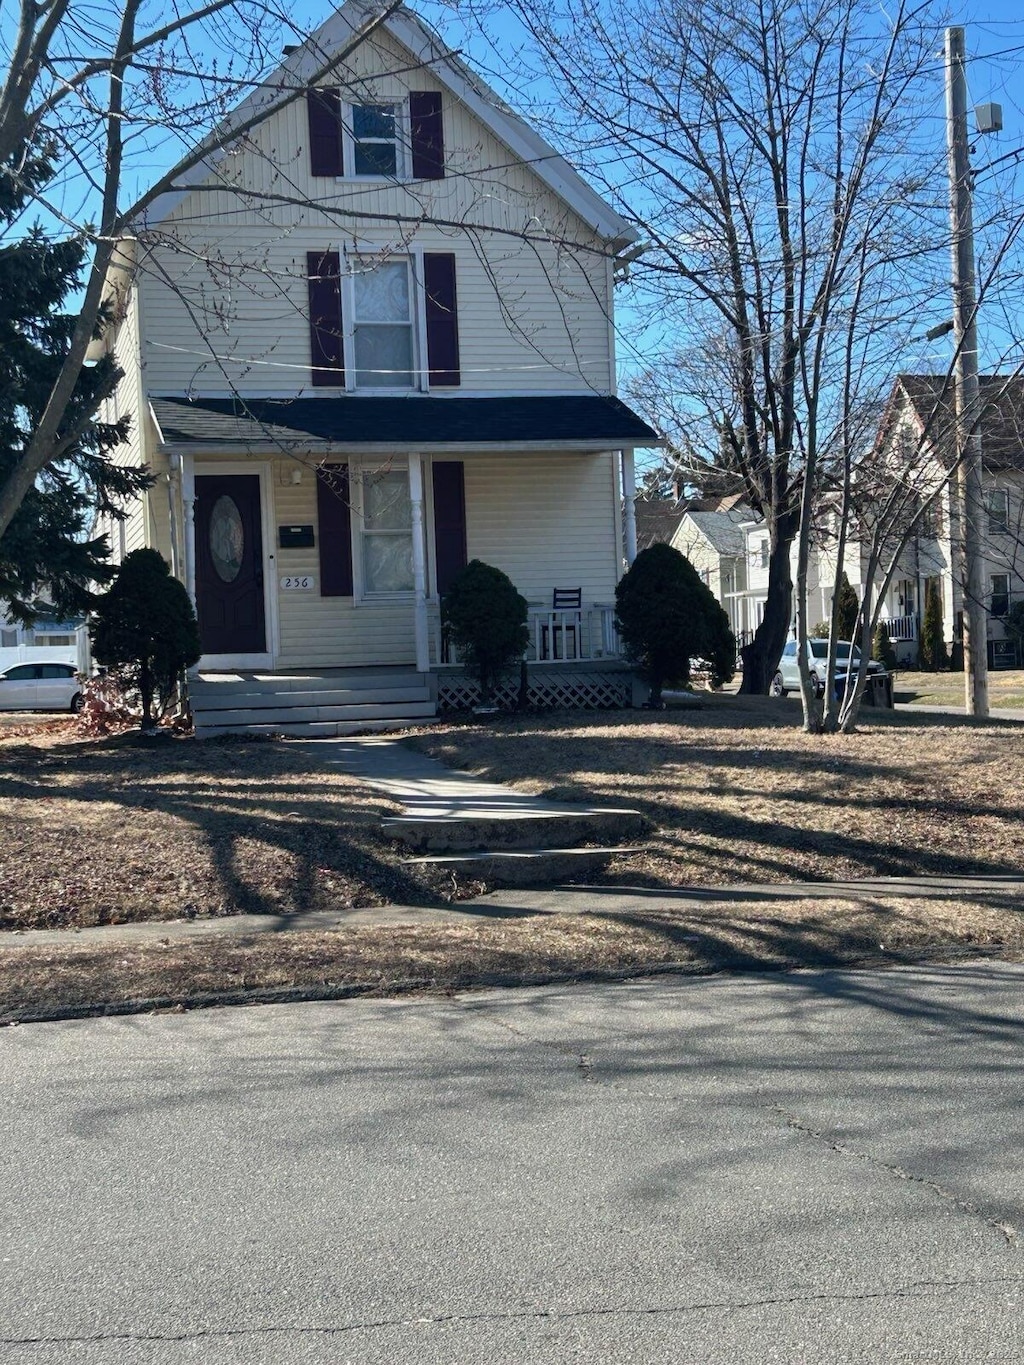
(722, 529)
(302, 66)
(656, 521)
(319, 425)
(931, 399)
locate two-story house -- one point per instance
(368, 339)
(917, 436)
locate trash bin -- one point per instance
(879, 690)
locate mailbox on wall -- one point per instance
(295, 537)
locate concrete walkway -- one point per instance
(521, 903)
(428, 791)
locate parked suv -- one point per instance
(788, 677)
(40, 687)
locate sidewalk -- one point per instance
(521, 904)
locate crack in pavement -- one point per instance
(1009, 1232)
(915, 1289)
(585, 1068)
(584, 1064)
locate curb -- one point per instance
(381, 990)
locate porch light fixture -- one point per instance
(296, 475)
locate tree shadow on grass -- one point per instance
(245, 828)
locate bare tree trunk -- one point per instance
(761, 656)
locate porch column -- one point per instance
(188, 499)
(629, 504)
(419, 565)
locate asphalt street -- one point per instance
(807, 1167)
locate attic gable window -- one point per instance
(386, 140)
(375, 149)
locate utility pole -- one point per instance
(971, 557)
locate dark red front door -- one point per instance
(229, 564)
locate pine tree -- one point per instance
(48, 546)
(933, 640)
(849, 606)
(882, 649)
(668, 617)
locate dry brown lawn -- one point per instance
(107, 831)
(738, 793)
(123, 829)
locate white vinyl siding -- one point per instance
(515, 518)
(533, 314)
(548, 521)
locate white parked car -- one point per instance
(787, 679)
(40, 687)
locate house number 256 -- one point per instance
(298, 582)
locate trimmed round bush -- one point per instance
(485, 618)
(668, 618)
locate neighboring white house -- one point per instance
(920, 418)
(728, 544)
(49, 641)
(371, 341)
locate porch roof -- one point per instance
(418, 422)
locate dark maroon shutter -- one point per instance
(324, 110)
(427, 127)
(335, 530)
(326, 354)
(449, 522)
(442, 319)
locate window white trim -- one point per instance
(997, 505)
(417, 318)
(403, 150)
(359, 471)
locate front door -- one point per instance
(229, 564)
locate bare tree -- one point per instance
(770, 153)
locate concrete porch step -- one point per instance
(279, 715)
(208, 685)
(328, 729)
(526, 866)
(230, 699)
(517, 830)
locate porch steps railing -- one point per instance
(308, 704)
(556, 635)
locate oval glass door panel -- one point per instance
(227, 538)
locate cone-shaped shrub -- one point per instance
(146, 628)
(485, 618)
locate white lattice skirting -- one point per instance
(591, 691)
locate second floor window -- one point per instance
(930, 525)
(366, 313)
(998, 504)
(382, 325)
(765, 552)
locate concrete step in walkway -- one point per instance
(482, 830)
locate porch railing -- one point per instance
(566, 636)
(901, 627)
